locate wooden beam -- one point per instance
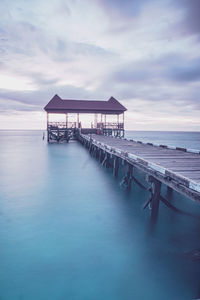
(77, 120)
(129, 176)
(66, 120)
(155, 189)
(47, 120)
(116, 166)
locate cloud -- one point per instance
(123, 8)
(39, 98)
(172, 67)
(167, 79)
(186, 72)
(190, 21)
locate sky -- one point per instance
(145, 53)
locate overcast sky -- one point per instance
(145, 53)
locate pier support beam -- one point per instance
(169, 190)
(129, 176)
(77, 120)
(66, 120)
(116, 166)
(155, 201)
(47, 121)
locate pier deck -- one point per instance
(178, 168)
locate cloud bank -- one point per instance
(143, 52)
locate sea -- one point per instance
(70, 231)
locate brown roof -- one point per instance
(58, 105)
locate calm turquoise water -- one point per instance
(69, 231)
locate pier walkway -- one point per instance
(178, 168)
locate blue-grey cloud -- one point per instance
(27, 40)
(123, 8)
(190, 23)
(185, 74)
(167, 79)
(169, 67)
(36, 100)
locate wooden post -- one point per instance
(77, 120)
(108, 161)
(102, 156)
(58, 134)
(116, 166)
(156, 187)
(123, 124)
(129, 176)
(66, 120)
(95, 120)
(48, 135)
(47, 121)
(105, 158)
(169, 190)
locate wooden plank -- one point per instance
(181, 163)
(173, 155)
(185, 168)
(174, 160)
(154, 152)
(192, 175)
(133, 145)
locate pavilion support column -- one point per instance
(118, 132)
(77, 120)
(101, 118)
(123, 124)
(48, 127)
(47, 121)
(66, 120)
(95, 120)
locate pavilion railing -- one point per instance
(61, 125)
(110, 125)
(100, 125)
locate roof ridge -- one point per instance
(83, 100)
(57, 104)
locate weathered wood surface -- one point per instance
(177, 168)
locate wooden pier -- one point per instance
(177, 168)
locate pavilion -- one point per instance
(57, 130)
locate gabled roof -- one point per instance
(58, 105)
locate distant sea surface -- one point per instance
(170, 138)
(69, 231)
